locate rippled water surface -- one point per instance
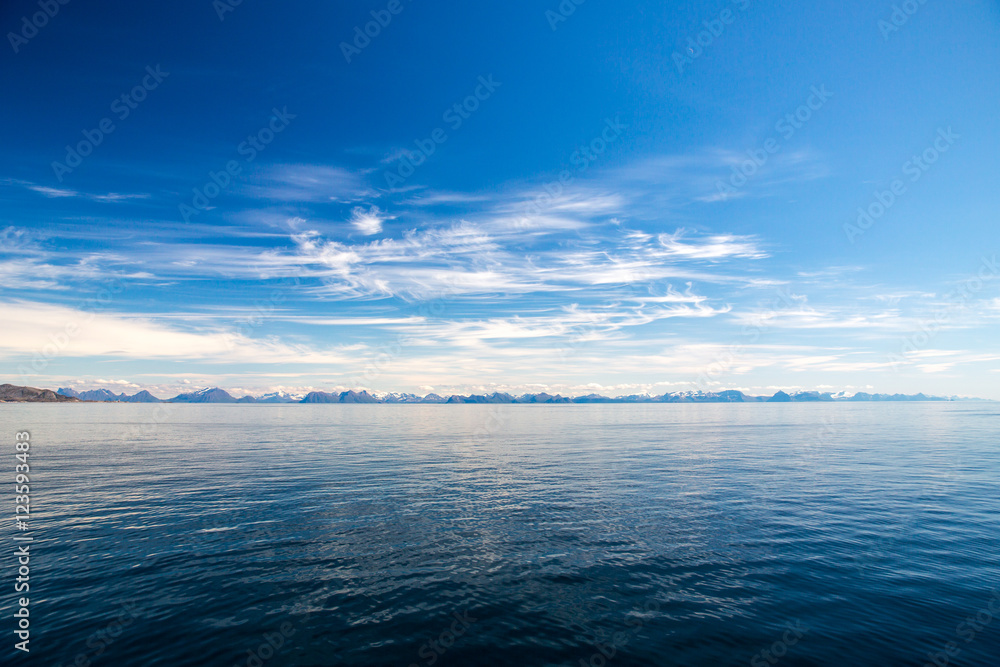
(792, 534)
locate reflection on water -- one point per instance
(809, 534)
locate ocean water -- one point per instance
(773, 534)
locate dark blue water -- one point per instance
(802, 534)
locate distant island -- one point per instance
(13, 394)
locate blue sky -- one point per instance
(610, 197)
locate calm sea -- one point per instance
(773, 534)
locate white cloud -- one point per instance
(716, 247)
(47, 330)
(115, 197)
(299, 183)
(465, 258)
(54, 193)
(369, 221)
(66, 193)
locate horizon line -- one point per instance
(221, 395)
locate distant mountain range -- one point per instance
(11, 393)
(105, 395)
(343, 397)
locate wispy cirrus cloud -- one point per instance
(673, 181)
(308, 183)
(66, 193)
(571, 323)
(464, 258)
(25, 263)
(713, 248)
